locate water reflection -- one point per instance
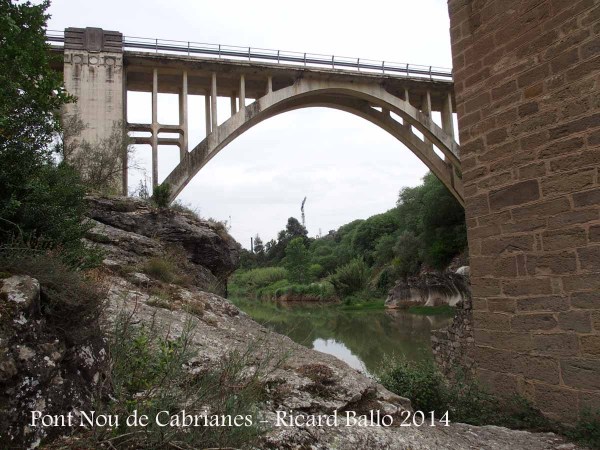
(360, 338)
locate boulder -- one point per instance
(134, 229)
(39, 369)
(429, 289)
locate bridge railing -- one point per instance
(236, 53)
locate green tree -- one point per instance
(297, 261)
(259, 248)
(31, 94)
(41, 202)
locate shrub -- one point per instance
(151, 373)
(252, 280)
(587, 429)
(169, 268)
(350, 278)
(464, 399)
(161, 195)
(323, 291)
(296, 261)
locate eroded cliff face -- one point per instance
(429, 289)
(130, 232)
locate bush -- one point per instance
(161, 195)
(464, 399)
(251, 281)
(151, 373)
(350, 278)
(169, 268)
(587, 429)
(322, 291)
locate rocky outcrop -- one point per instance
(39, 370)
(130, 231)
(220, 328)
(429, 289)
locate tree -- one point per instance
(296, 261)
(259, 248)
(31, 95)
(41, 202)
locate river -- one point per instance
(362, 339)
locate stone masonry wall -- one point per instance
(453, 345)
(527, 82)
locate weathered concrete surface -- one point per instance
(93, 73)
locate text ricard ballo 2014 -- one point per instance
(373, 418)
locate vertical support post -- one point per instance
(447, 118)
(426, 109)
(125, 174)
(183, 117)
(155, 128)
(269, 84)
(233, 100)
(207, 112)
(213, 102)
(405, 124)
(242, 93)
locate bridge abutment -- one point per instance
(526, 86)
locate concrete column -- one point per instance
(233, 103)
(183, 116)
(242, 93)
(155, 128)
(447, 118)
(269, 84)
(125, 174)
(407, 100)
(426, 109)
(93, 72)
(207, 113)
(213, 102)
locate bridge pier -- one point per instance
(93, 73)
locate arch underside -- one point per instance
(354, 99)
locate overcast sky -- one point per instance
(348, 168)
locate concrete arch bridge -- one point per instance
(399, 99)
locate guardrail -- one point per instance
(236, 53)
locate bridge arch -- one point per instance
(355, 98)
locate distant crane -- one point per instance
(302, 211)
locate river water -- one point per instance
(360, 338)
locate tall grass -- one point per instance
(152, 373)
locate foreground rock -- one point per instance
(39, 369)
(429, 289)
(220, 327)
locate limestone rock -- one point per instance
(221, 328)
(429, 289)
(206, 243)
(39, 370)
